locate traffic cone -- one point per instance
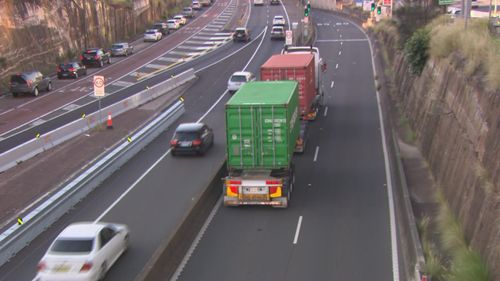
(109, 124)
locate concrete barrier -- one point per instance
(173, 248)
(48, 140)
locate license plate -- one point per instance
(61, 268)
(185, 144)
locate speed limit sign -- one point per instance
(99, 86)
(288, 37)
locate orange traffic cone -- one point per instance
(109, 124)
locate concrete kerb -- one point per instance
(39, 144)
(18, 236)
(170, 253)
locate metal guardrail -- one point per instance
(25, 151)
(18, 236)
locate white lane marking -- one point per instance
(340, 53)
(340, 35)
(287, 18)
(196, 241)
(341, 40)
(341, 43)
(326, 111)
(297, 230)
(168, 151)
(316, 154)
(390, 195)
(333, 83)
(337, 66)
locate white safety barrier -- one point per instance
(25, 151)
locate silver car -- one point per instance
(121, 49)
(238, 79)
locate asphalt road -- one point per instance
(22, 118)
(157, 202)
(337, 226)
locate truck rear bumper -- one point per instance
(281, 202)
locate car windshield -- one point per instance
(238, 78)
(186, 136)
(240, 31)
(171, 21)
(72, 246)
(117, 46)
(150, 32)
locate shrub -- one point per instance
(416, 50)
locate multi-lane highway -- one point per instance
(337, 226)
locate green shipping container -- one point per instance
(262, 125)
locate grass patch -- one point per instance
(416, 50)
(479, 50)
(409, 135)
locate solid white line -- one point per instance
(297, 231)
(392, 213)
(341, 40)
(287, 18)
(336, 66)
(340, 52)
(333, 83)
(196, 241)
(316, 153)
(326, 111)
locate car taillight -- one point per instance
(72, 69)
(58, 69)
(81, 57)
(232, 187)
(86, 267)
(41, 266)
(29, 82)
(174, 142)
(97, 57)
(196, 142)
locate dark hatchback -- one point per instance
(95, 56)
(241, 34)
(192, 138)
(31, 82)
(71, 70)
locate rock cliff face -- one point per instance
(37, 33)
(457, 124)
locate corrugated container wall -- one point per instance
(298, 67)
(262, 125)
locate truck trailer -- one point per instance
(262, 128)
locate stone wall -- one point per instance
(34, 34)
(457, 126)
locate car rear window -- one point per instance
(117, 46)
(72, 246)
(65, 66)
(238, 78)
(187, 9)
(150, 32)
(240, 31)
(186, 136)
(18, 78)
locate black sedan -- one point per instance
(192, 138)
(71, 70)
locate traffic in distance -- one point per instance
(266, 124)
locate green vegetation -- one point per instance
(433, 262)
(478, 50)
(409, 135)
(416, 50)
(3, 62)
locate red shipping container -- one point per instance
(298, 67)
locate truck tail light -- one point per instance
(273, 182)
(173, 142)
(274, 191)
(232, 187)
(196, 142)
(86, 267)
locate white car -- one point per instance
(83, 251)
(182, 19)
(196, 5)
(152, 35)
(258, 2)
(238, 79)
(279, 20)
(173, 24)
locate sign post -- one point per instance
(288, 37)
(99, 92)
